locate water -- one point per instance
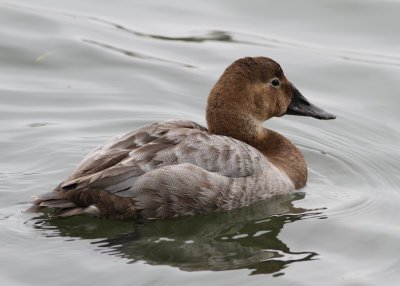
(75, 73)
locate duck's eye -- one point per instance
(275, 82)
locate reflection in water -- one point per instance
(245, 238)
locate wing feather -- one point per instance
(117, 165)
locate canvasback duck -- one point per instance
(179, 167)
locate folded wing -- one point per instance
(116, 165)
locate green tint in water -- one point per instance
(242, 238)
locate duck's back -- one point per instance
(167, 169)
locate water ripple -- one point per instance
(231, 37)
(133, 54)
(251, 39)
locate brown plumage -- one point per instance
(176, 168)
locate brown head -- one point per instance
(250, 91)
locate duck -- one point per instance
(178, 167)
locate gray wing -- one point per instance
(116, 165)
(119, 148)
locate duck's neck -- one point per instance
(284, 155)
(279, 150)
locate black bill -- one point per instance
(301, 106)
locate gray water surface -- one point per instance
(75, 73)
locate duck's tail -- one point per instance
(62, 206)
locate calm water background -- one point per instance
(75, 73)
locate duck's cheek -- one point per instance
(259, 106)
(280, 112)
(281, 106)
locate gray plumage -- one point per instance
(176, 168)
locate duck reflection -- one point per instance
(237, 239)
